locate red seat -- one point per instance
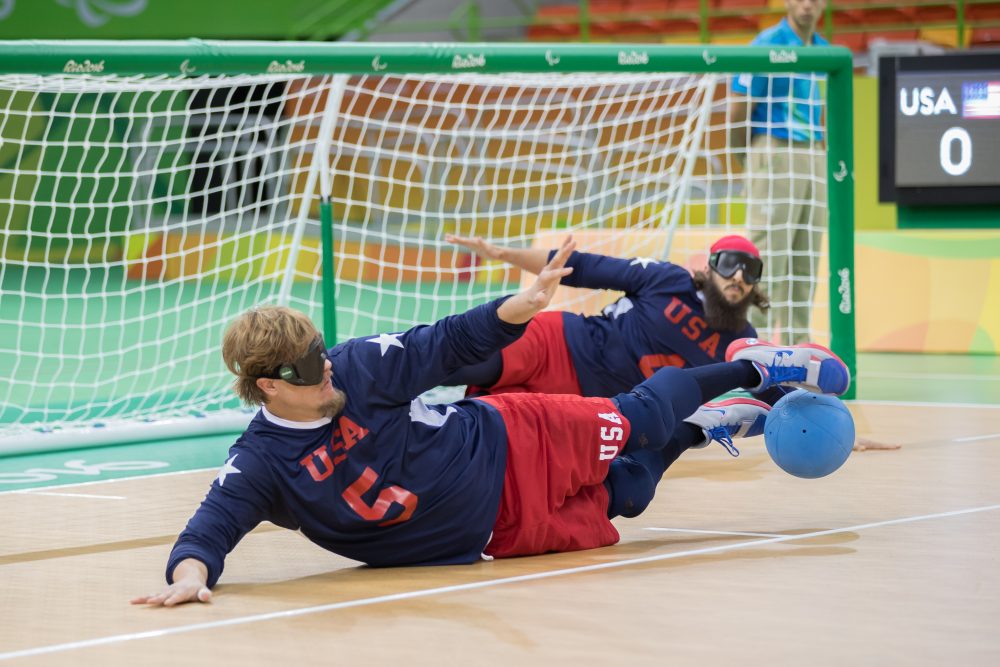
(608, 6)
(649, 6)
(985, 37)
(886, 16)
(893, 35)
(943, 13)
(855, 41)
(686, 6)
(548, 29)
(561, 11)
(841, 18)
(985, 12)
(739, 4)
(733, 24)
(681, 26)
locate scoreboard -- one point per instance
(939, 129)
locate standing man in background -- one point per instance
(786, 172)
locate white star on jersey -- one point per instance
(642, 260)
(227, 469)
(385, 341)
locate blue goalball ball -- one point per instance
(809, 435)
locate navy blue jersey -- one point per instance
(659, 322)
(390, 481)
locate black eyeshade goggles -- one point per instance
(727, 262)
(305, 371)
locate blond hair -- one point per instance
(260, 340)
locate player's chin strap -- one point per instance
(721, 435)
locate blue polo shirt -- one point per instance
(787, 107)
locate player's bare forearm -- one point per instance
(190, 585)
(526, 304)
(529, 259)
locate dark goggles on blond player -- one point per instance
(305, 371)
(727, 262)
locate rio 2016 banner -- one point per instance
(157, 19)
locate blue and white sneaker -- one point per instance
(734, 418)
(806, 366)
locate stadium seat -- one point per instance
(841, 18)
(985, 37)
(568, 29)
(984, 12)
(681, 27)
(943, 13)
(738, 4)
(894, 35)
(901, 16)
(650, 6)
(734, 24)
(855, 41)
(685, 6)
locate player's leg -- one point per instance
(632, 478)
(657, 406)
(559, 447)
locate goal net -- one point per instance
(143, 211)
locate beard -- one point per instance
(335, 405)
(722, 315)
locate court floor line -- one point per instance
(257, 618)
(897, 375)
(94, 482)
(926, 404)
(36, 492)
(712, 532)
(974, 438)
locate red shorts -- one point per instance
(559, 450)
(539, 360)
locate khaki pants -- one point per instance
(787, 217)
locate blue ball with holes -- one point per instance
(809, 435)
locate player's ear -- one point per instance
(267, 385)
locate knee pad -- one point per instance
(631, 487)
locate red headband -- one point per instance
(737, 243)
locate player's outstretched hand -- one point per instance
(190, 585)
(523, 306)
(477, 245)
(864, 445)
(176, 593)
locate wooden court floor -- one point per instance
(892, 560)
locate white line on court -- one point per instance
(965, 377)
(713, 532)
(973, 438)
(35, 492)
(926, 404)
(151, 634)
(93, 482)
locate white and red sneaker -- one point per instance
(733, 418)
(806, 366)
